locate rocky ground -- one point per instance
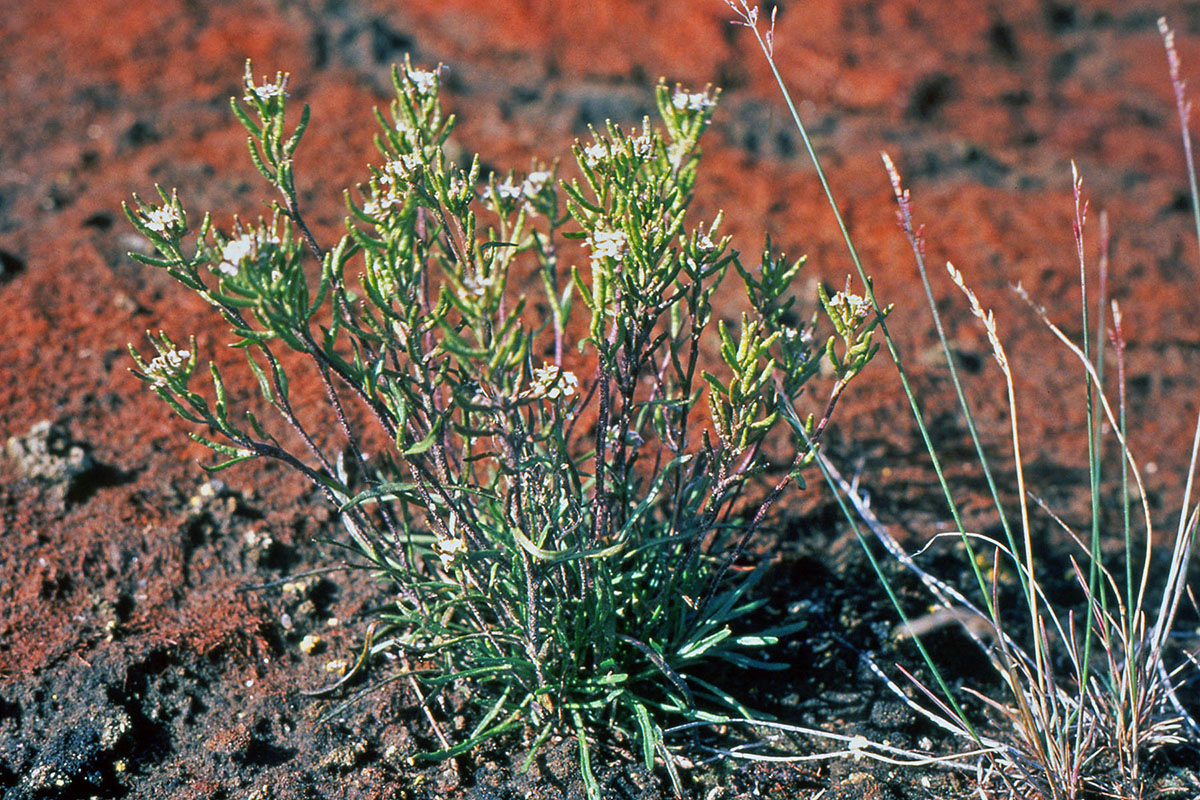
(138, 655)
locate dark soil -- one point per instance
(138, 655)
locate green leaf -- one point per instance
(211, 468)
(244, 118)
(585, 761)
(218, 447)
(696, 649)
(301, 126)
(423, 445)
(390, 491)
(650, 735)
(584, 291)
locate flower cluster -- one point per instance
(535, 182)
(479, 284)
(449, 550)
(379, 205)
(162, 220)
(390, 177)
(850, 306)
(803, 335)
(236, 251)
(510, 192)
(552, 383)
(268, 90)
(692, 101)
(595, 153)
(642, 146)
(402, 167)
(166, 365)
(704, 240)
(607, 244)
(505, 191)
(424, 81)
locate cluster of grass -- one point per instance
(1090, 696)
(562, 549)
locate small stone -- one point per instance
(346, 757)
(299, 589)
(311, 643)
(230, 742)
(265, 549)
(448, 779)
(48, 454)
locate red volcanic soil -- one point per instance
(138, 658)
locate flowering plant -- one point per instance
(562, 545)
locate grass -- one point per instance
(1090, 698)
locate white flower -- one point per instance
(525, 191)
(266, 91)
(161, 219)
(424, 81)
(450, 547)
(379, 205)
(505, 191)
(643, 145)
(479, 284)
(552, 383)
(675, 153)
(400, 168)
(607, 244)
(632, 438)
(692, 101)
(593, 154)
(449, 550)
(705, 242)
(534, 182)
(166, 364)
(386, 194)
(236, 251)
(853, 306)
